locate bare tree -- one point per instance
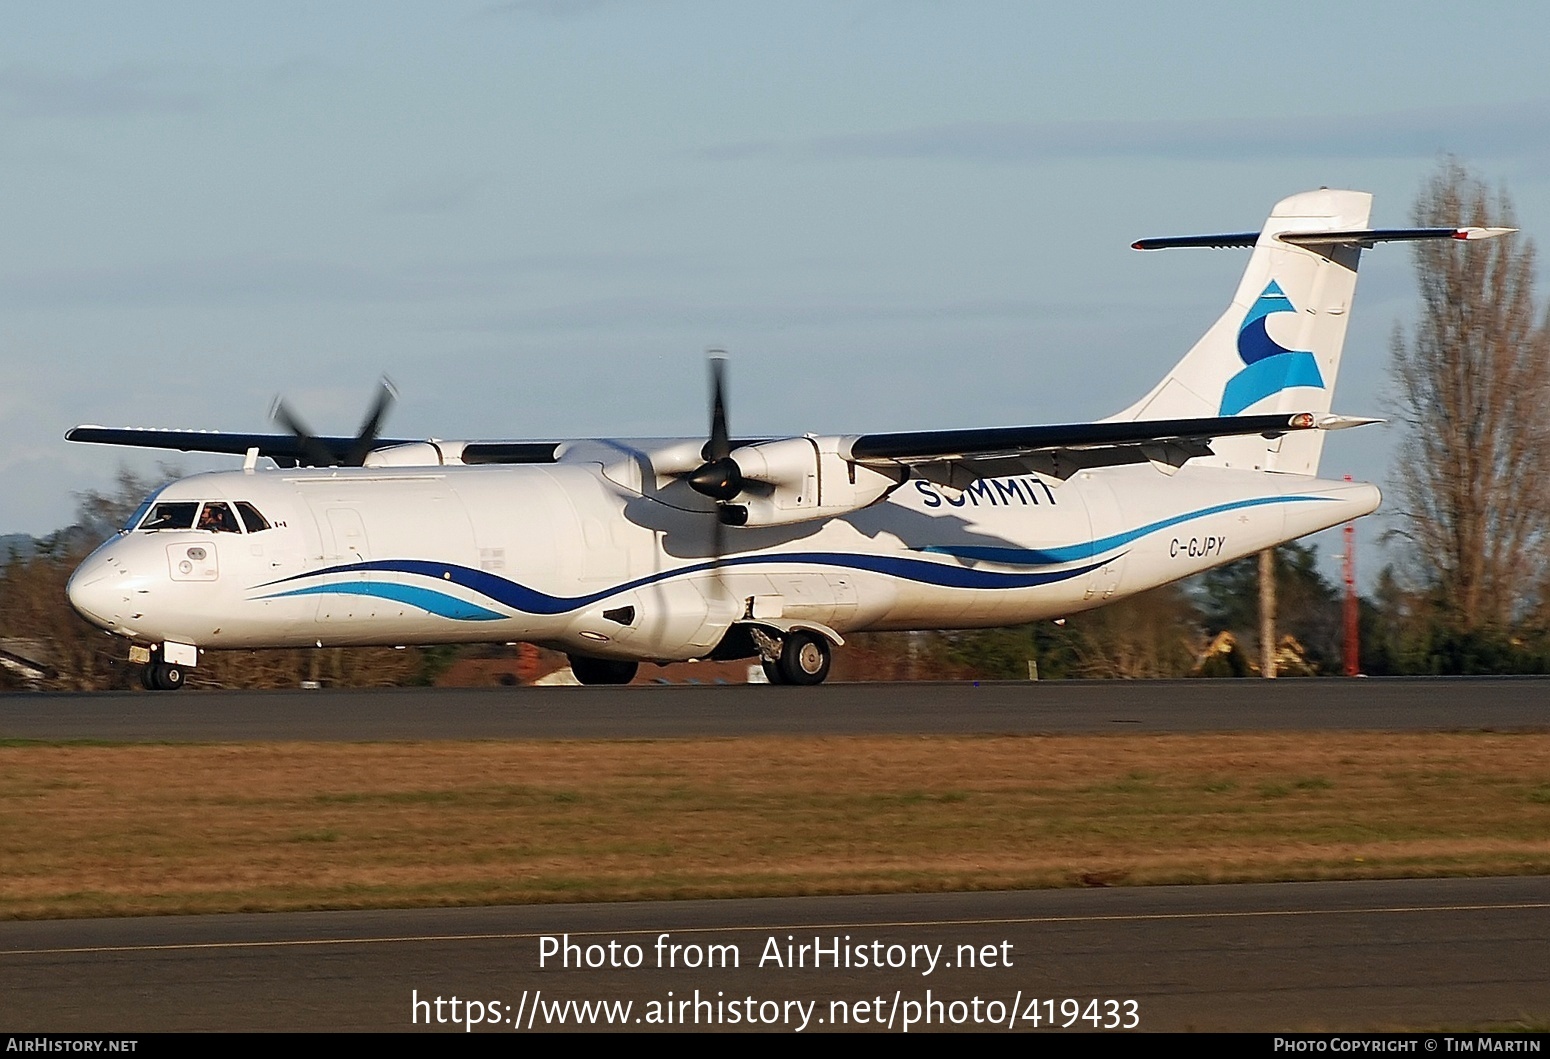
(99, 514)
(1472, 386)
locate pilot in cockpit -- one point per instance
(217, 518)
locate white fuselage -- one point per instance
(602, 557)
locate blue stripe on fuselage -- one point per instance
(519, 597)
(438, 603)
(1077, 552)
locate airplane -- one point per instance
(623, 551)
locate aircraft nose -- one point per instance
(94, 590)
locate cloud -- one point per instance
(1483, 131)
(31, 92)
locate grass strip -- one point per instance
(88, 830)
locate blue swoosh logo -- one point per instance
(1269, 367)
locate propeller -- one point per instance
(317, 454)
(718, 477)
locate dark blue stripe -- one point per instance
(529, 600)
(1076, 552)
(522, 598)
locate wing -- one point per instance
(957, 458)
(287, 450)
(290, 450)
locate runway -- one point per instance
(1395, 704)
(1413, 954)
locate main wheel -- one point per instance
(602, 670)
(804, 659)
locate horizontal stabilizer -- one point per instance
(1365, 237)
(1334, 422)
(1184, 241)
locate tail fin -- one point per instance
(1277, 347)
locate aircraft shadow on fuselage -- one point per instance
(686, 521)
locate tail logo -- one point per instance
(1269, 367)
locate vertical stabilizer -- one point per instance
(1277, 347)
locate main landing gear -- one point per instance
(602, 670)
(804, 659)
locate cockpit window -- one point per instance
(251, 518)
(178, 515)
(134, 520)
(217, 518)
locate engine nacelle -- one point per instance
(414, 454)
(797, 479)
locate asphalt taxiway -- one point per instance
(1341, 956)
(658, 712)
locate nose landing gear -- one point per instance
(162, 676)
(164, 667)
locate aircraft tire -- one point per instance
(772, 671)
(602, 670)
(805, 658)
(164, 676)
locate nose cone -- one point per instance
(94, 590)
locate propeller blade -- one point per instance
(371, 427)
(718, 547)
(720, 444)
(718, 477)
(314, 452)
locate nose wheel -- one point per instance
(162, 676)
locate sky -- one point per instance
(536, 216)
